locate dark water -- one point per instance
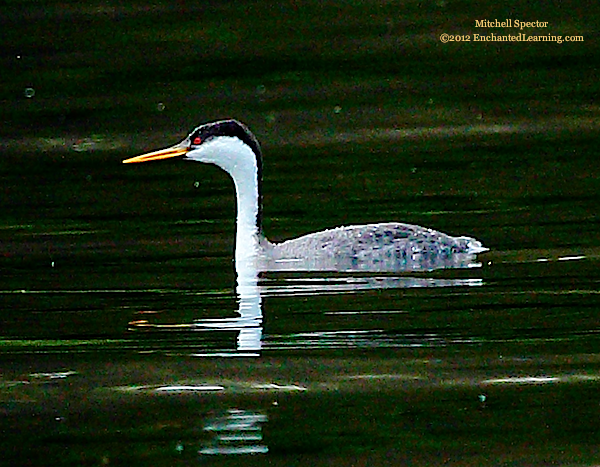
(121, 341)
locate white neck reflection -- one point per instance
(249, 322)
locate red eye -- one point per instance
(197, 140)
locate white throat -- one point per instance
(239, 161)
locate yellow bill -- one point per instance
(157, 155)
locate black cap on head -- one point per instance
(225, 128)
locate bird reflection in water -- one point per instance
(252, 289)
(235, 432)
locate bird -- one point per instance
(390, 246)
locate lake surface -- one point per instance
(124, 337)
(122, 343)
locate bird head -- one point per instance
(224, 143)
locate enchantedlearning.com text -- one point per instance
(521, 37)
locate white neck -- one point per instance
(239, 161)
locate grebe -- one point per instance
(372, 247)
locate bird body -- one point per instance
(375, 247)
(378, 247)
